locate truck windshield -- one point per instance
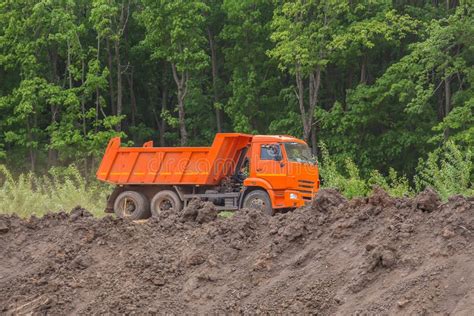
(297, 152)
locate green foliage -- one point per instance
(61, 190)
(349, 181)
(373, 24)
(45, 106)
(253, 83)
(449, 170)
(346, 179)
(302, 32)
(226, 214)
(396, 80)
(174, 32)
(402, 114)
(394, 185)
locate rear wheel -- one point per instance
(259, 199)
(132, 204)
(165, 200)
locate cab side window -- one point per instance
(269, 152)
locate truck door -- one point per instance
(270, 165)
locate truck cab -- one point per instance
(284, 167)
(268, 172)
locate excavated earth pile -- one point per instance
(376, 255)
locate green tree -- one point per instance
(175, 33)
(51, 67)
(382, 83)
(400, 117)
(302, 32)
(110, 20)
(253, 80)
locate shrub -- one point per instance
(449, 170)
(394, 184)
(349, 182)
(60, 190)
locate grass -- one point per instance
(226, 214)
(59, 190)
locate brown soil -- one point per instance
(376, 255)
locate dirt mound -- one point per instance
(199, 211)
(427, 200)
(376, 255)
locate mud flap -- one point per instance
(111, 199)
(240, 201)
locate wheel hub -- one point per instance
(165, 205)
(128, 206)
(257, 203)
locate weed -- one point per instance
(60, 190)
(348, 181)
(449, 170)
(226, 214)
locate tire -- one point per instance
(133, 205)
(259, 199)
(164, 201)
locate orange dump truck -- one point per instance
(238, 170)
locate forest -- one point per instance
(378, 88)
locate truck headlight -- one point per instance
(293, 196)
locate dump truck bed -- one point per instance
(172, 165)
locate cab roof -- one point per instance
(268, 138)
(276, 138)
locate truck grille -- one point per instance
(307, 188)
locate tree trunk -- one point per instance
(181, 84)
(447, 96)
(121, 29)
(111, 80)
(133, 99)
(83, 101)
(83, 112)
(54, 109)
(97, 91)
(300, 97)
(447, 101)
(164, 101)
(130, 75)
(314, 143)
(32, 160)
(214, 80)
(314, 85)
(52, 153)
(119, 82)
(181, 118)
(68, 66)
(307, 116)
(30, 136)
(161, 122)
(363, 70)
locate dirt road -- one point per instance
(375, 255)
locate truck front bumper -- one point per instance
(291, 199)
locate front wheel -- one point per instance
(165, 200)
(259, 199)
(131, 204)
